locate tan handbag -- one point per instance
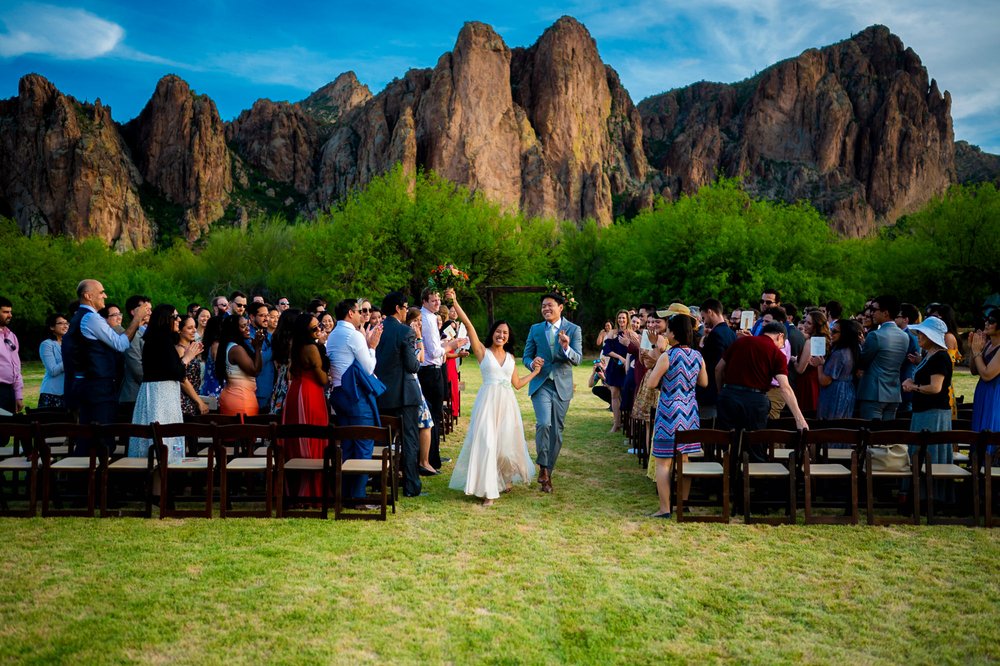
(891, 458)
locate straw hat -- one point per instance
(676, 309)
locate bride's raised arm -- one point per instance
(477, 347)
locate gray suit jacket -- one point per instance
(395, 363)
(882, 355)
(133, 370)
(560, 366)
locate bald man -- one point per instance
(90, 358)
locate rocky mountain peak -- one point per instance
(336, 99)
(179, 145)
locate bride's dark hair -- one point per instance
(509, 347)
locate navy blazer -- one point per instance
(395, 364)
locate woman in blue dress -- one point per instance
(677, 371)
(836, 371)
(614, 373)
(985, 362)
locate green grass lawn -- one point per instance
(579, 576)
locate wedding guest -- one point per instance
(236, 368)
(273, 314)
(133, 355)
(677, 372)
(376, 317)
(305, 401)
(835, 372)
(163, 372)
(985, 362)
(909, 314)
(316, 306)
(11, 380)
(259, 320)
(605, 332)
(430, 374)
(352, 366)
(237, 304)
(281, 350)
(201, 319)
(946, 313)
(283, 304)
(220, 306)
(807, 385)
(882, 356)
(614, 374)
(50, 352)
(113, 315)
(210, 341)
(424, 421)
(929, 387)
(365, 308)
(715, 344)
(326, 324)
(191, 402)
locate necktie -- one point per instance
(552, 339)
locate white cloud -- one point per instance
(305, 69)
(60, 32)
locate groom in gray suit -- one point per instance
(560, 343)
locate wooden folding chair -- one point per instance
(884, 438)
(371, 467)
(395, 426)
(192, 466)
(990, 470)
(121, 466)
(322, 466)
(818, 465)
(202, 446)
(23, 460)
(68, 464)
(717, 445)
(770, 469)
(247, 437)
(967, 440)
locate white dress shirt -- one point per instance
(94, 327)
(344, 346)
(433, 349)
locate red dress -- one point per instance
(306, 403)
(807, 389)
(451, 373)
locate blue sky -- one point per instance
(237, 52)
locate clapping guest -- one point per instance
(835, 372)
(237, 367)
(985, 362)
(191, 402)
(425, 422)
(614, 375)
(50, 352)
(163, 370)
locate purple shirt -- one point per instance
(10, 362)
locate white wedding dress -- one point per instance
(495, 453)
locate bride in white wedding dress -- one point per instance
(495, 453)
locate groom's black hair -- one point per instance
(509, 347)
(558, 298)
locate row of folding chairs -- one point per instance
(839, 462)
(42, 456)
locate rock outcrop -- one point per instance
(972, 165)
(337, 99)
(279, 139)
(65, 169)
(856, 128)
(537, 129)
(178, 142)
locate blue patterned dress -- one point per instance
(677, 408)
(836, 401)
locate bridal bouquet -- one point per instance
(446, 276)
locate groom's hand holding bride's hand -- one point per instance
(537, 363)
